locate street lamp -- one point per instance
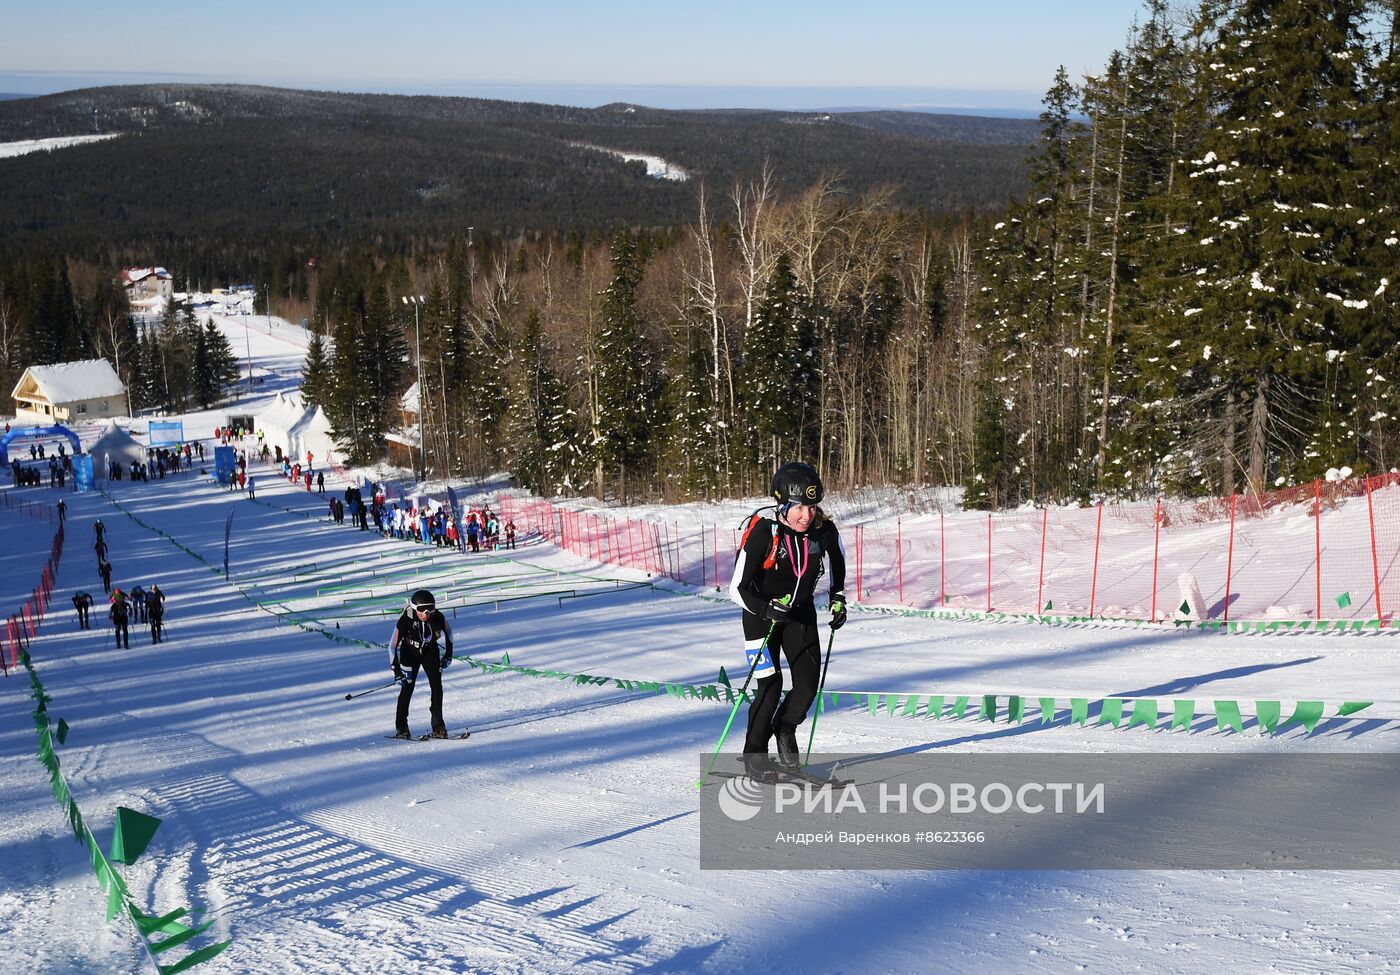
(415, 301)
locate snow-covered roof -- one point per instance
(130, 275)
(409, 403)
(70, 382)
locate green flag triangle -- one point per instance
(132, 835)
(872, 701)
(724, 678)
(934, 708)
(1049, 605)
(989, 707)
(1268, 714)
(1351, 707)
(1015, 709)
(1111, 710)
(960, 706)
(1308, 713)
(1227, 714)
(505, 659)
(1183, 712)
(911, 706)
(1078, 710)
(1344, 600)
(1144, 712)
(1047, 710)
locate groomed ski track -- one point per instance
(563, 835)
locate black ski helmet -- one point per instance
(797, 483)
(421, 600)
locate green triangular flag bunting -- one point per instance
(1078, 710)
(934, 708)
(1184, 608)
(989, 707)
(1049, 605)
(62, 731)
(1227, 714)
(1351, 707)
(1015, 710)
(1144, 712)
(1112, 710)
(132, 835)
(911, 706)
(1047, 710)
(960, 706)
(1182, 714)
(1268, 714)
(1344, 600)
(724, 678)
(1309, 713)
(872, 701)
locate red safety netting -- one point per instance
(1326, 550)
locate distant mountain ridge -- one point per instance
(249, 159)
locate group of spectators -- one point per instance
(59, 467)
(428, 525)
(159, 461)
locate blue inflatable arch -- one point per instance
(38, 433)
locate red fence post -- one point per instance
(1094, 583)
(1317, 541)
(1156, 547)
(899, 555)
(1040, 588)
(1230, 557)
(1375, 563)
(989, 561)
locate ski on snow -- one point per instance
(795, 776)
(462, 737)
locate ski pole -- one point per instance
(393, 683)
(821, 685)
(740, 699)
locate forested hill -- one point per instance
(258, 162)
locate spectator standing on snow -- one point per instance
(251, 485)
(510, 533)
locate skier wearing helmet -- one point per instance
(420, 629)
(775, 578)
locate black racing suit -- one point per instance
(774, 562)
(414, 645)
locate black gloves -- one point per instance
(776, 610)
(447, 657)
(398, 671)
(838, 610)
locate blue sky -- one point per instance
(759, 53)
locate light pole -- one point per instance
(415, 301)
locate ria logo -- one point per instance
(740, 799)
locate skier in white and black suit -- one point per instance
(419, 633)
(782, 557)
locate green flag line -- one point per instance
(131, 835)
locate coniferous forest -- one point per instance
(1192, 291)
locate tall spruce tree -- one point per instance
(628, 380)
